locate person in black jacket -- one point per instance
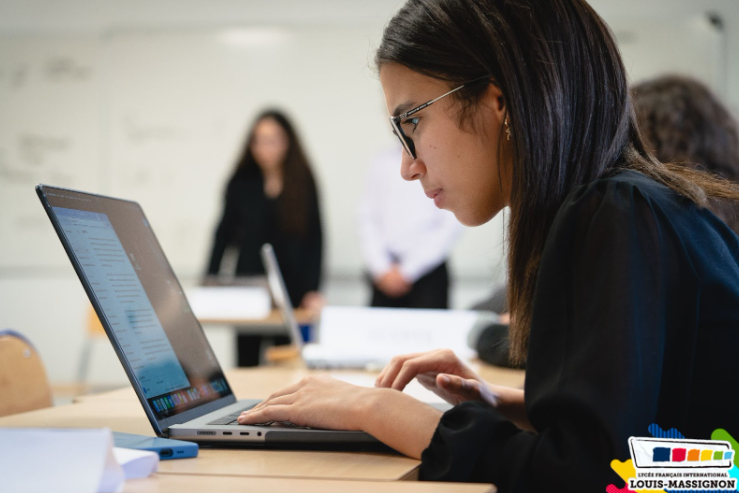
(624, 286)
(272, 198)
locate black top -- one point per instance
(636, 321)
(251, 219)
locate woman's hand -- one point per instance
(315, 401)
(313, 302)
(440, 371)
(392, 283)
(394, 418)
(443, 373)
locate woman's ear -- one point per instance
(494, 100)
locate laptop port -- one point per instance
(227, 433)
(245, 433)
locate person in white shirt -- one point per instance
(405, 239)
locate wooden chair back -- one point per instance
(23, 382)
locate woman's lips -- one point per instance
(436, 195)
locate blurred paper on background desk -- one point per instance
(372, 336)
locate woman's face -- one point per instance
(269, 144)
(458, 167)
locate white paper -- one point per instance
(59, 460)
(230, 302)
(136, 463)
(414, 388)
(375, 335)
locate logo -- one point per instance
(666, 453)
(669, 462)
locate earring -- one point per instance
(507, 129)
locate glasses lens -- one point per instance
(406, 141)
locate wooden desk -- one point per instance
(273, 324)
(268, 470)
(127, 416)
(121, 411)
(196, 484)
(259, 383)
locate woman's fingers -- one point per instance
(280, 402)
(411, 368)
(403, 369)
(289, 390)
(467, 388)
(276, 401)
(272, 412)
(388, 374)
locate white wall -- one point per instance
(133, 44)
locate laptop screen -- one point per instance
(144, 309)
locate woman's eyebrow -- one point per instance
(403, 107)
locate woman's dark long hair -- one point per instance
(567, 101)
(299, 187)
(683, 122)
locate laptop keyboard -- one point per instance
(230, 419)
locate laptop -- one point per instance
(313, 355)
(367, 338)
(151, 326)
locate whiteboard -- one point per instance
(159, 116)
(49, 132)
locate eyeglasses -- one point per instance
(397, 121)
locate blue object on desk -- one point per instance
(165, 447)
(306, 331)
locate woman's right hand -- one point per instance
(440, 371)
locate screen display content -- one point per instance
(143, 305)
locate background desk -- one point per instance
(273, 324)
(265, 331)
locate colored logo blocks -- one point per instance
(666, 453)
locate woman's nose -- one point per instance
(411, 169)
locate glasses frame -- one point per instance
(395, 121)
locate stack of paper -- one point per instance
(68, 460)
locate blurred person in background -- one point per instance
(684, 123)
(272, 198)
(405, 239)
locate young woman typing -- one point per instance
(623, 287)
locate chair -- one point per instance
(23, 382)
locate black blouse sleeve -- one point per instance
(597, 350)
(224, 232)
(314, 249)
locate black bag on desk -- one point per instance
(492, 346)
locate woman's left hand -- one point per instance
(316, 401)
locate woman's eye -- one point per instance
(412, 121)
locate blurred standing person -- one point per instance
(272, 198)
(684, 123)
(405, 239)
